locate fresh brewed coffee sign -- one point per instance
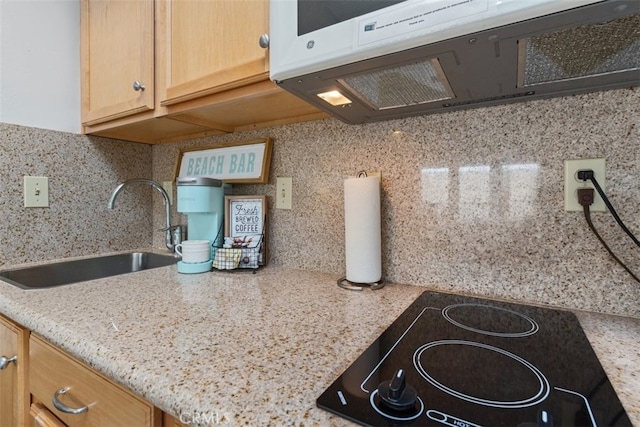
(242, 162)
(245, 215)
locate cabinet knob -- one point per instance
(264, 41)
(4, 361)
(64, 408)
(138, 86)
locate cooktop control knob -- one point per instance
(396, 393)
(544, 419)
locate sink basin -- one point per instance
(67, 272)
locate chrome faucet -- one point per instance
(169, 241)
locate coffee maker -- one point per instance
(202, 199)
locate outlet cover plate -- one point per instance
(36, 192)
(572, 184)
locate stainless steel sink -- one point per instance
(81, 270)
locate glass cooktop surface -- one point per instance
(452, 360)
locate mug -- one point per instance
(194, 250)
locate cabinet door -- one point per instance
(213, 46)
(117, 50)
(13, 387)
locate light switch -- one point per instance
(36, 192)
(283, 193)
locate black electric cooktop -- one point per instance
(452, 360)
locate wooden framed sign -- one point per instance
(245, 215)
(235, 163)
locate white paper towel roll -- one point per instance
(363, 248)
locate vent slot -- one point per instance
(583, 51)
(401, 86)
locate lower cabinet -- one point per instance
(169, 421)
(41, 385)
(79, 396)
(14, 395)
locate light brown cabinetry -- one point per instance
(14, 396)
(74, 387)
(42, 417)
(169, 421)
(117, 52)
(33, 372)
(210, 75)
(213, 46)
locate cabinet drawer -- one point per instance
(42, 417)
(108, 404)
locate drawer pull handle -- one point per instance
(4, 361)
(64, 408)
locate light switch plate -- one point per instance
(168, 187)
(283, 192)
(572, 184)
(36, 192)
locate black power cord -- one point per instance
(589, 175)
(585, 198)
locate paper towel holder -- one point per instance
(358, 286)
(353, 286)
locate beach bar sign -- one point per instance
(238, 162)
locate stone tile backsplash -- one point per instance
(82, 173)
(472, 201)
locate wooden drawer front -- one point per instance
(42, 417)
(109, 404)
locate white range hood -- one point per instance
(374, 60)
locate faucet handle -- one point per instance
(173, 227)
(178, 234)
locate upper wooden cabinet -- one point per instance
(213, 46)
(208, 73)
(117, 53)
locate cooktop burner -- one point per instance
(460, 361)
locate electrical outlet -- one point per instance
(283, 193)
(36, 192)
(168, 187)
(572, 183)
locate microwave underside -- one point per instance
(591, 48)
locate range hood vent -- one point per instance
(589, 48)
(411, 84)
(583, 51)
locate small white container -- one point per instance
(194, 251)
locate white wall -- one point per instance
(40, 63)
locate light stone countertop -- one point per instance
(248, 349)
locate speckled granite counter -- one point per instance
(252, 349)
